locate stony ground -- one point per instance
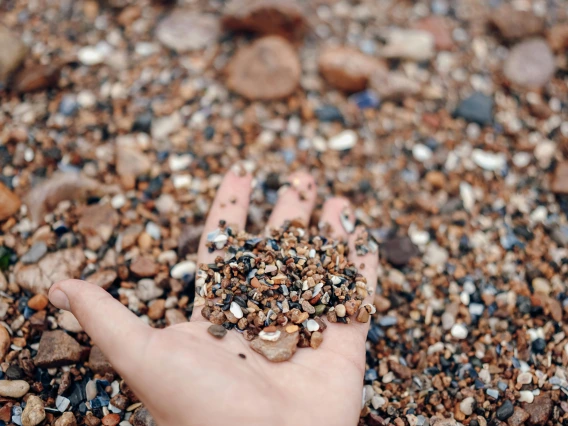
(444, 122)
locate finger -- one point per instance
(337, 218)
(363, 252)
(231, 205)
(120, 334)
(296, 200)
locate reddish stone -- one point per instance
(439, 28)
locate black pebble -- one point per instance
(505, 411)
(143, 123)
(14, 373)
(539, 345)
(478, 108)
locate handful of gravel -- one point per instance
(276, 290)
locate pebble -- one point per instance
(144, 267)
(530, 64)
(459, 331)
(9, 202)
(488, 160)
(513, 23)
(131, 163)
(12, 54)
(540, 409)
(415, 45)
(98, 362)
(35, 253)
(103, 279)
(283, 18)
(34, 413)
(312, 325)
(526, 396)
(186, 31)
(62, 403)
(13, 388)
(343, 141)
(67, 321)
(111, 419)
(91, 55)
(267, 69)
(505, 410)
(440, 29)
(57, 348)
(147, 290)
(340, 310)
(279, 350)
(66, 419)
(559, 184)
(36, 78)
(524, 378)
(97, 223)
(399, 250)
(466, 406)
(183, 269)
(38, 302)
(217, 331)
(236, 310)
(477, 108)
(4, 341)
(142, 417)
(348, 69)
(518, 418)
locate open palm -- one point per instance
(185, 376)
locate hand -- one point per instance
(186, 377)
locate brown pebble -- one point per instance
(217, 331)
(111, 419)
(39, 302)
(316, 339)
(363, 315)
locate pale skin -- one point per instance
(186, 377)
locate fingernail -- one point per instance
(59, 299)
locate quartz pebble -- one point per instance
(13, 388)
(530, 63)
(34, 413)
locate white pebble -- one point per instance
(182, 269)
(524, 378)
(270, 337)
(466, 406)
(118, 201)
(526, 396)
(421, 152)
(488, 160)
(459, 331)
(312, 325)
(182, 181)
(90, 55)
(91, 390)
(179, 162)
(62, 403)
(343, 141)
(236, 310)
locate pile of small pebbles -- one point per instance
(280, 291)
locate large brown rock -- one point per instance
(12, 53)
(285, 18)
(518, 418)
(99, 362)
(348, 69)
(185, 31)
(57, 348)
(36, 77)
(9, 202)
(516, 24)
(61, 186)
(530, 63)
(539, 410)
(559, 183)
(57, 266)
(280, 350)
(267, 69)
(97, 223)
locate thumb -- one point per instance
(120, 334)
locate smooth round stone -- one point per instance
(13, 388)
(530, 63)
(343, 141)
(183, 269)
(524, 378)
(488, 160)
(185, 31)
(217, 331)
(459, 331)
(526, 396)
(35, 253)
(466, 406)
